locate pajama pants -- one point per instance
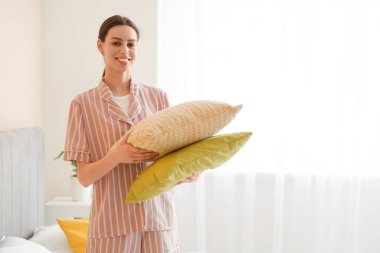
(165, 241)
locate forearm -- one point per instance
(120, 152)
(89, 173)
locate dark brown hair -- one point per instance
(115, 21)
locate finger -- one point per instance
(193, 178)
(132, 154)
(145, 152)
(144, 158)
(140, 160)
(145, 155)
(181, 182)
(140, 150)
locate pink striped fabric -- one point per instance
(95, 123)
(142, 242)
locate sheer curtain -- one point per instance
(306, 73)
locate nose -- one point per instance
(124, 50)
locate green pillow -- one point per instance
(174, 167)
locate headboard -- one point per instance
(21, 181)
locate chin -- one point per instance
(121, 69)
(125, 70)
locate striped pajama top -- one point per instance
(95, 123)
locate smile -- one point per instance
(123, 61)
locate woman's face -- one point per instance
(119, 48)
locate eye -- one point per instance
(116, 43)
(131, 45)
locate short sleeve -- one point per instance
(76, 146)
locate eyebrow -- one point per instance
(116, 38)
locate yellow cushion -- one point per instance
(76, 233)
(181, 125)
(165, 172)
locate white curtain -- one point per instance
(307, 74)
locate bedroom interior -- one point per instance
(308, 180)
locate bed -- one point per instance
(22, 196)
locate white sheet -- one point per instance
(20, 245)
(45, 239)
(52, 238)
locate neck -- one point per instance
(119, 83)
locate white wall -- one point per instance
(20, 65)
(72, 64)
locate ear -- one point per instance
(100, 47)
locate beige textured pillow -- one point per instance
(181, 125)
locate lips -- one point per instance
(123, 61)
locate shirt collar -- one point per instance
(106, 93)
(114, 110)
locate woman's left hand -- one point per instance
(193, 178)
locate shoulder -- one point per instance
(154, 95)
(148, 89)
(85, 97)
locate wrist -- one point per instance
(112, 158)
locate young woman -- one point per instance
(97, 134)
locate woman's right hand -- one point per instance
(123, 152)
(120, 152)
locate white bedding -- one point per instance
(49, 239)
(20, 245)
